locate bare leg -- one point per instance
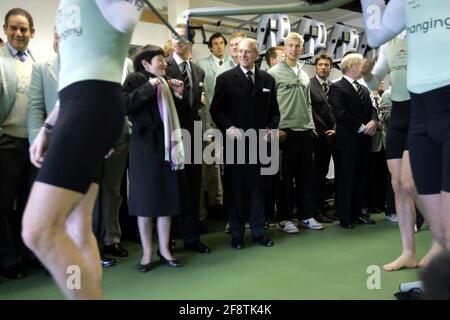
(404, 205)
(44, 231)
(145, 231)
(163, 224)
(429, 205)
(84, 238)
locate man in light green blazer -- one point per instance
(16, 64)
(211, 180)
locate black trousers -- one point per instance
(15, 185)
(376, 185)
(322, 157)
(296, 175)
(187, 222)
(350, 170)
(242, 197)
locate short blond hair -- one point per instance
(349, 61)
(294, 36)
(238, 34)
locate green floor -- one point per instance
(328, 264)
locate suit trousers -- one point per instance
(297, 168)
(240, 199)
(322, 157)
(212, 189)
(109, 199)
(350, 171)
(14, 190)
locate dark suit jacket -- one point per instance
(189, 114)
(235, 105)
(350, 114)
(321, 110)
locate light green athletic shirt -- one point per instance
(293, 97)
(428, 26)
(81, 24)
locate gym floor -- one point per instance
(327, 264)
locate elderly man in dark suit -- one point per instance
(356, 123)
(325, 124)
(245, 98)
(179, 67)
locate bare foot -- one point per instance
(434, 250)
(404, 261)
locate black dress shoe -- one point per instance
(198, 247)
(14, 271)
(362, 220)
(375, 210)
(237, 243)
(323, 218)
(264, 241)
(116, 250)
(144, 267)
(171, 263)
(107, 262)
(346, 223)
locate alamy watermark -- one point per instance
(251, 147)
(374, 280)
(73, 281)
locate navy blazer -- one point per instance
(235, 104)
(350, 114)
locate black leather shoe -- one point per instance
(362, 220)
(144, 267)
(237, 244)
(198, 247)
(171, 263)
(375, 210)
(323, 218)
(116, 250)
(107, 262)
(14, 271)
(264, 241)
(345, 223)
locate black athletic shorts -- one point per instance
(429, 140)
(397, 133)
(90, 121)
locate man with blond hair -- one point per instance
(298, 131)
(356, 122)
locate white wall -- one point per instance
(43, 13)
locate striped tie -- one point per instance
(187, 80)
(360, 91)
(21, 55)
(326, 88)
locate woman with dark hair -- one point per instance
(156, 150)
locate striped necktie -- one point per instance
(326, 88)
(21, 55)
(360, 91)
(187, 80)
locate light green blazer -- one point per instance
(8, 84)
(210, 67)
(42, 94)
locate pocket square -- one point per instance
(266, 90)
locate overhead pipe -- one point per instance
(272, 9)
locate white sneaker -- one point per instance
(287, 226)
(311, 223)
(392, 217)
(227, 228)
(296, 222)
